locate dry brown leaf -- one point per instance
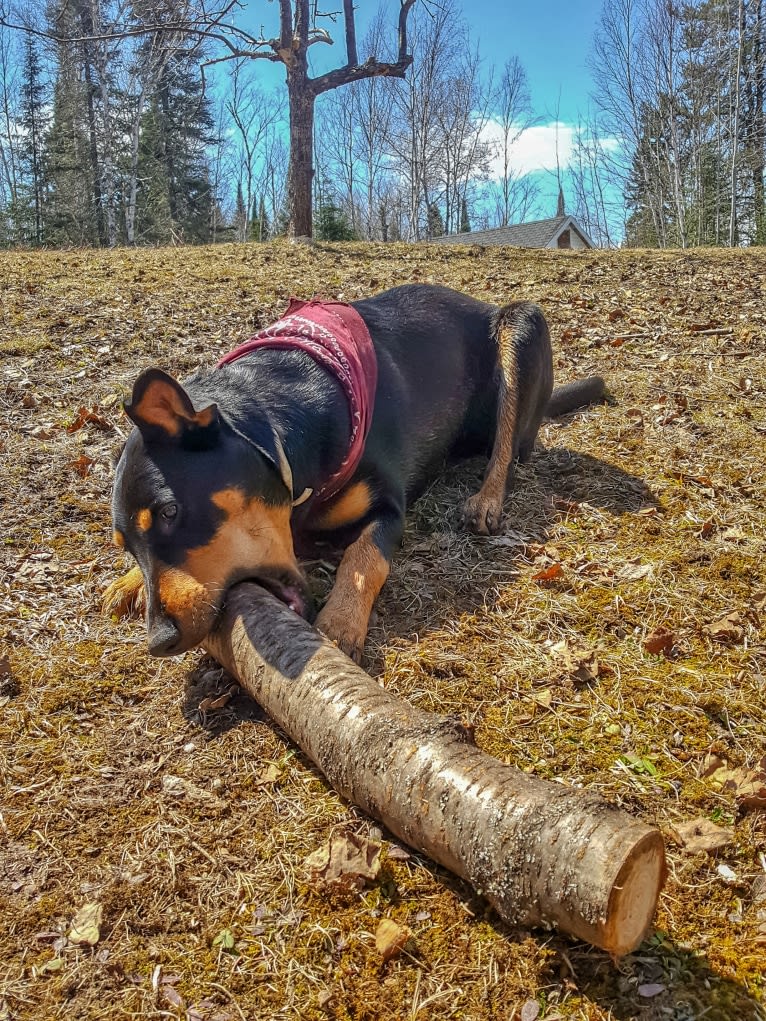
(347, 861)
(548, 574)
(702, 835)
(397, 853)
(633, 572)
(390, 939)
(89, 416)
(749, 786)
(578, 665)
(704, 481)
(728, 630)
(707, 528)
(170, 996)
(82, 465)
(659, 641)
(86, 925)
(709, 765)
(270, 774)
(217, 702)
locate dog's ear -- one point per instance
(163, 410)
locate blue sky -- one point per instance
(553, 41)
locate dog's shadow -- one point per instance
(443, 572)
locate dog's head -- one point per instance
(200, 506)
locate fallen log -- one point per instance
(542, 853)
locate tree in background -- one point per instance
(331, 222)
(683, 88)
(435, 223)
(71, 214)
(30, 204)
(465, 223)
(298, 31)
(260, 227)
(512, 114)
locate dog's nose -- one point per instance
(163, 636)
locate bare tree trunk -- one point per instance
(300, 175)
(542, 854)
(132, 189)
(735, 131)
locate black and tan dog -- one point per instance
(221, 479)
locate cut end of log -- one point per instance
(634, 896)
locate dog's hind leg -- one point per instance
(525, 381)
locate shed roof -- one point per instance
(535, 234)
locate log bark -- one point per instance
(542, 853)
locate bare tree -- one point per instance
(414, 137)
(461, 114)
(513, 115)
(9, 117)
(254, 114)
(588, 176)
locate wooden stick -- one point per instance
(542, 853)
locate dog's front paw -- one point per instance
(125, 596)
(483, 514)
(349, 635)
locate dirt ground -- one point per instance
(152, 852)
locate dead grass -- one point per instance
(642, 518)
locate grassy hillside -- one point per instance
(612, 637)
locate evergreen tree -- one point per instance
(435, 223)
(75, 141)
(465, 223)
(175, 200)
(259, 224)
(332, 223)
(33, 122)
(154, 220)
(240, 215)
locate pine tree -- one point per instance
(435, 224)
(187, 124)
(465, 223)
(259, 224)
(33, 124)
(75, 142)
(240, 215)
(154, 220)
(175, 198)
(331, 222)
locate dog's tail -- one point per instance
(575, 395)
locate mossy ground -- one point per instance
(651, 512)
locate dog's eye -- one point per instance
(167, 517)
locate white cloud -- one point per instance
(534, 150)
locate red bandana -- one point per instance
(337, 338)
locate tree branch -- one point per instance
(352, 71)
(371, 68)
(348, 14)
